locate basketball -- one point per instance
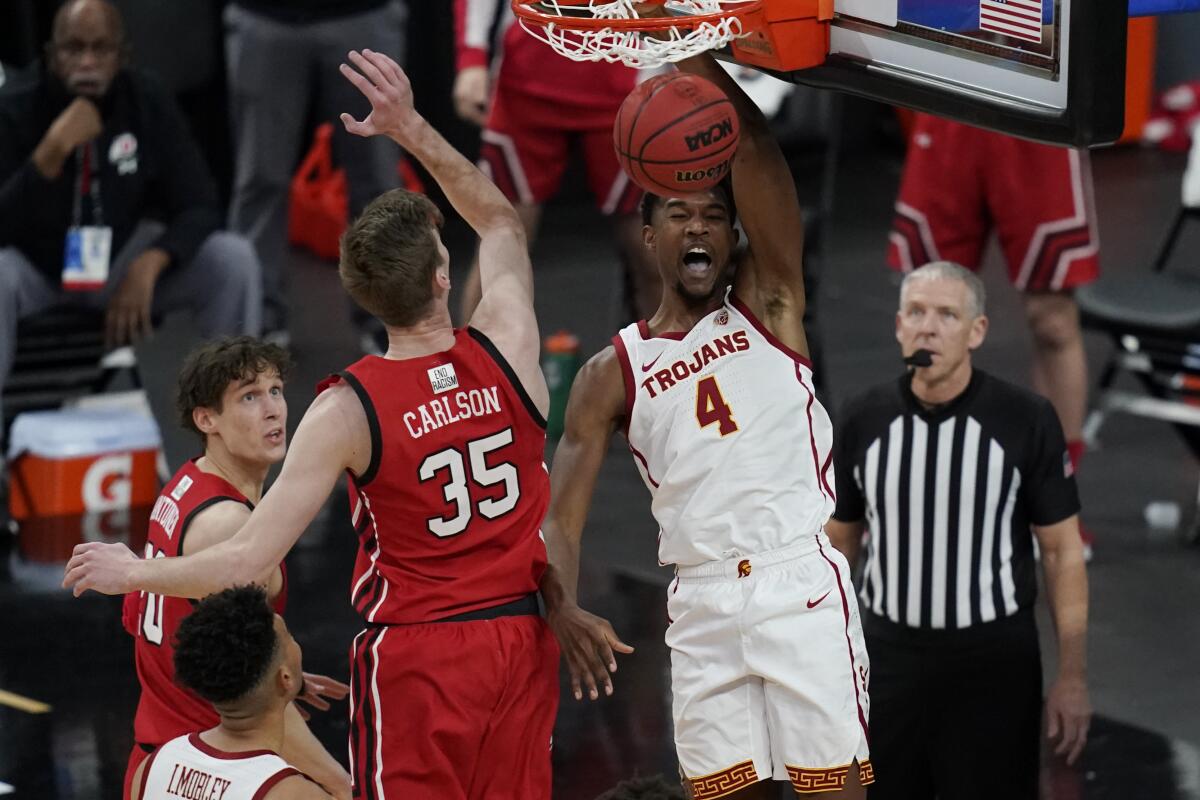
(676, 134)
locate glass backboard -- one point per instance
(1051, 70)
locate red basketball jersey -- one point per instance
(449, 512)
(167, 710)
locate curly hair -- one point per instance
(652, 788)
(209, 369)
(225, 647)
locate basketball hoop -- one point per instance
(614, 31)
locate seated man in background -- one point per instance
(237, 654)
(230, 394)
(89, 150)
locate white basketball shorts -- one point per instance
(769, 671)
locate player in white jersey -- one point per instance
(235, 652)
(715, 396)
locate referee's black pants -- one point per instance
(955, 715)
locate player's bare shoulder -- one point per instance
(598, 394)
(338, 416)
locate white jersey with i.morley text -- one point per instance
(729, 436)
(189, 767)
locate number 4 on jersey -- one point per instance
(711, 408)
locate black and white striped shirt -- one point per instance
(948, 496)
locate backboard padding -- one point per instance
(1066, 86)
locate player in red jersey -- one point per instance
(230, 393)
(454, 683)
(535, 107)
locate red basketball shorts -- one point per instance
(453, 710)
(528, 141)
(959, 181)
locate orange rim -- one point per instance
(526, 10)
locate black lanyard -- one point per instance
(86, 166)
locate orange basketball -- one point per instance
(676, 134)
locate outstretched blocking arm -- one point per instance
(595, 407)
(770, 276)
(505, 312)
(333, 437)
(221, 522)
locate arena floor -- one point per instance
(72, 655)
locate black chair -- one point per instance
(61, 355)
(1153, 319)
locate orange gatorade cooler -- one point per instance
(74, 462)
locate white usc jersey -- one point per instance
(728, 435)
(188, 767)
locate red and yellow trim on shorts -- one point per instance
(725, 782)
(828, 779)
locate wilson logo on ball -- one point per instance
(706, 176)
(711, 136)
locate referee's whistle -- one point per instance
(920, 358)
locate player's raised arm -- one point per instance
(333, 437)
(770, 276)
(505, 312)
(594, 409)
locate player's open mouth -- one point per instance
(697, 261)
(275, 436)
(86, 86)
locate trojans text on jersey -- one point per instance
(451, 408)
(708, 352)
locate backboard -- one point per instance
(1050, 70)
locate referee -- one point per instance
(952, 473)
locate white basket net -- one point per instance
(638, 48)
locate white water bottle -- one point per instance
(1162, 514)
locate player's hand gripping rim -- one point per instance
(589, 644)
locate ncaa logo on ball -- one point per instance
(710, 136)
